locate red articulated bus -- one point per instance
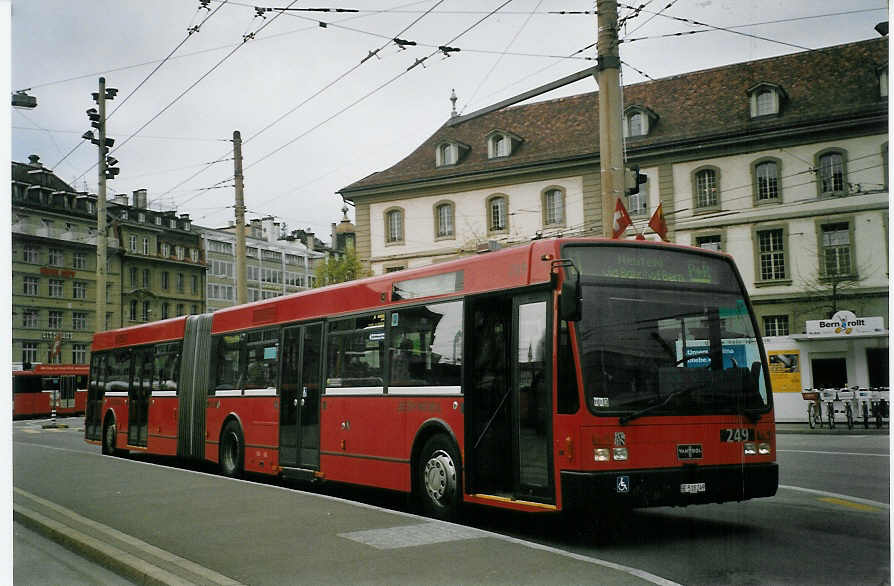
(35, 389)
(561, 374)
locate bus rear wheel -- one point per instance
(232, 450)
(438, 473)
(109, 439)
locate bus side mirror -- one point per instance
(570, 297)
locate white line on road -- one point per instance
(834, 453)
(836, 495)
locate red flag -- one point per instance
(620, 220)
(658, 223)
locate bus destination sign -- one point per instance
(648, 265)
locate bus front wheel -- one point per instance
(438, 477)
(109, 438)
(232, 449)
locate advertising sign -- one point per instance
(845, 323)
(785, 370)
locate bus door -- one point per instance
(95, 393)
(299, 395)
(508, 397)
(138, 397)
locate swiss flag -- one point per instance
(620, 220)
(658, 223)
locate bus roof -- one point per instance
(158, 331)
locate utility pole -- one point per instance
(611, 144)
(241, 290)
(107, 170)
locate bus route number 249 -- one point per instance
(737, 434)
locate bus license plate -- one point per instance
(693, 488)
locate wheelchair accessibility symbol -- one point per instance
(623, 484)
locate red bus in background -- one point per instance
(35, 389)
(561, 374)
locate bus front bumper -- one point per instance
(686, 485)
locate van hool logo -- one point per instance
(842, 322)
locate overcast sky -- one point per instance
(312, 118)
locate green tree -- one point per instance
(339, 270)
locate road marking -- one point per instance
(636, 572)
(170, 558)
(411, 535)
(834, 453)
(849, 504)
(835, 495)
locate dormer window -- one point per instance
(765, 99)
(501, 144)
(449, 153)
(638, 121)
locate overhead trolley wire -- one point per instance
(188, 89)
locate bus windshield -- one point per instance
(666, 332)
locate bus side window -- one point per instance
(118, 371)
(425, 345)
(262, 359)
(166, 368)
(355, 352)
(227, 362)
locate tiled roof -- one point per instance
(838, 81)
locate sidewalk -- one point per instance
(160, 525)
(840, 429)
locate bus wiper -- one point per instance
(627, 418)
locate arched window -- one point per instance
(766, 102)
(394, 225)
(497, 214)
(553, 206)
(444, 220)
(635, 124)
(766, 175)
(706, 184)
(830, 173)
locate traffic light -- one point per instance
(633, 179)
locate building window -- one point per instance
(194, 254)
(179, 252)
(709, 242)
(553, 202)
(132, 314)
(194, 309)
(444, 220)
(164, 280)
(79, 260)
(29, 352)
(31, 286)
(146, 311)
(165, 310)
(394, 226)
(165, 250)
(54, 320)
(179, 309)
(57, 287)
(79, 290)
(195, 285)
(635, 124)
(133, 277)
(79, 353)
(56, 258)
(30, 318)
(638, 203)
(766, 181)
(147, 278)
(637, 121)
(31, 255)
(882, 73)
(771, 249)
(501, 144)
(141, 217)
(79, 320)
(447, 154)
(180, 282)
(831, 175)
(146, 246)
(765, 99)
(133, 243)
(776, 325)
(836, 243)
(497, 214)
(707, 185)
